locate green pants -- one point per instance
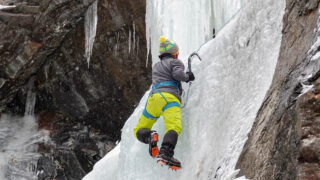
(171, 116)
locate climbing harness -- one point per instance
(189, 70)
(168, 105)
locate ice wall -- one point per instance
(90, 26)
(231, 82)
(224, 11)
(187, 22)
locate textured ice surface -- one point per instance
(223, 11)
(187, 22)
(231, 81)
(90, 26)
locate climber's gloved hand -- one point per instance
(191, 76)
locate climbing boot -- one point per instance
(153, 147)
(171, 162)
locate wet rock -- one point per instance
(73, 149)
(83, 108)
(309, 171)
(28, 9)
(46, 168)
(312, 5)
(15, 66)
(2, 81)
(21, 20)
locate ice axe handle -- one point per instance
(190, 58)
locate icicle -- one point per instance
(118, 38)
(148, 29)
(134, 35)
(117, 46)
(31, 99)
(129, 41)
(137, 49)
(90, 26)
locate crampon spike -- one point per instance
(161, 163)
(174, 168)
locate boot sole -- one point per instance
(170, 165)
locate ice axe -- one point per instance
(189, 70)
(190, 58)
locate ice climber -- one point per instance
(164, 99)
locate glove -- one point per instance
(191, 76)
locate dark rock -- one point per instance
(21, 20)
(28, 9)
(15, 66)
(310, 149)
(83, 107)
(46, 168)
(75, 150)
(2, 81)
(312, 5)
(309, 171)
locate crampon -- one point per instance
(173, 165)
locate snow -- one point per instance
(231, 81)
(90, 26)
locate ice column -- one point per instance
(224, 11)
(90, 26)
(31, 99)
(187, 22)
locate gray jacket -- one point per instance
(169, 69)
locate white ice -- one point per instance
(187, 22)
(6, 7)
(129, 41)
(231, 81)
(134, 35)
(90, 26)
(223, 11)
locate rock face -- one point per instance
(106, 93)
(84, 108)
(284, 141)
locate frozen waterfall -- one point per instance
(90, 26)
(19, 138)
(231, 81)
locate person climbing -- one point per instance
(164, 99)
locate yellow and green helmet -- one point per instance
(167, 46)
